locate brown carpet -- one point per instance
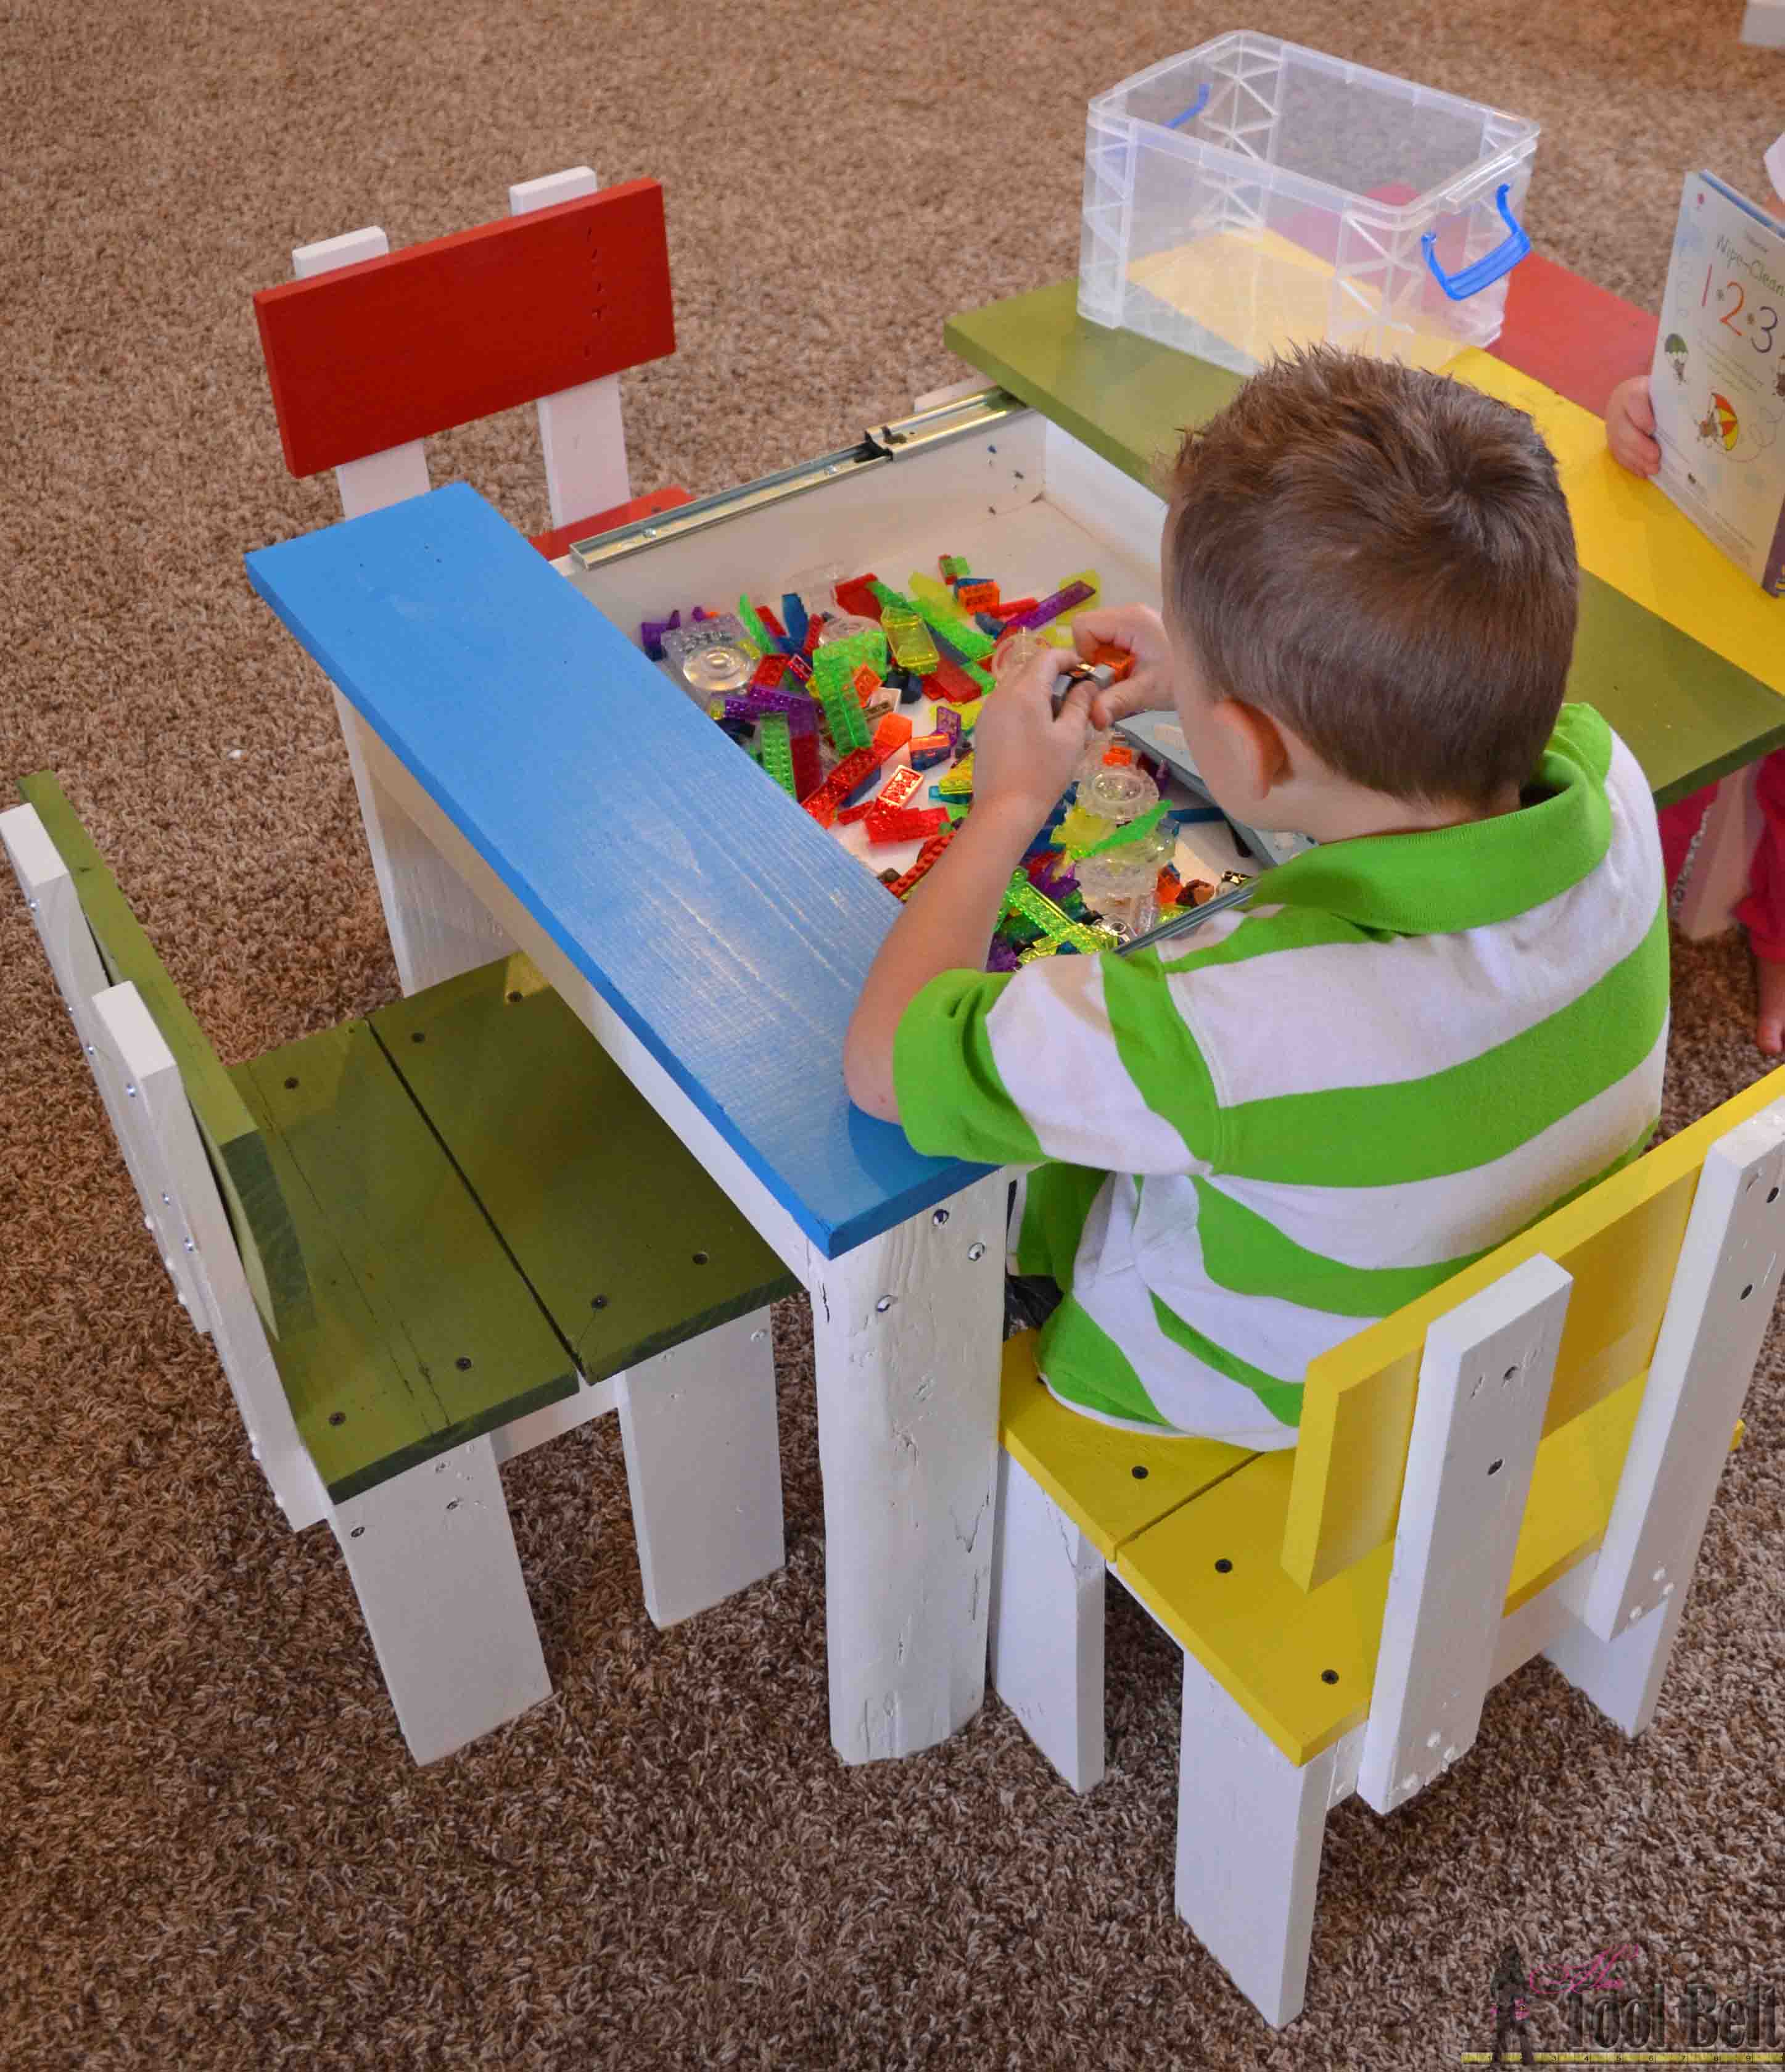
(217, 1851)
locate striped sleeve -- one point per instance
(1085, 1060)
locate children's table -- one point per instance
(1680, 650)
(530, 781)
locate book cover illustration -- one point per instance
(1718, 381)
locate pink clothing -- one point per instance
(1763, 912)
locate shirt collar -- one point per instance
(1446, 879)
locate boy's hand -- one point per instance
(1629, 426)
(1147, 688)
(1023, 757)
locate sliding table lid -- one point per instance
(728, 931)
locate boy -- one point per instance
(1416, 1038)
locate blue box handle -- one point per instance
(1192, 111)
(1491, 267)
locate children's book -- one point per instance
(1718, 381)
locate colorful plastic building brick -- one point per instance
(865, 684)
(848, 730)
(892, 735)
(1072, 595)
(1056, 926)
(808, 765)
(836, 661)
(959, 783)
(754, 632)
(926, 858)
(953, 566)
(1014, 608)
(927, 750)
(899, 789)
(651, 633)
(905, 824)
(777, 747)
(947, 722)
(793, 611)
(909, 640)
(980, 596)
(857, 596)
(769, 672)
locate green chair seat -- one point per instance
(449, 1210)
(629, 1246)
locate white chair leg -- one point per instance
(703, 1466)
(1047, 1625)
(432, 1556)
(1622, 1677)
(1249, 1829)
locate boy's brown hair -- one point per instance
(1383, 559)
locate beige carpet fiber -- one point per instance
(215, 1851)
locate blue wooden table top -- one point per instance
(726, 929)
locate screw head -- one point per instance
(940, 1218)
(975, 1251)
(884, 1304)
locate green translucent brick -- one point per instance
(1022, 899)
(1133, 832)
(957, 809)
(757, 633)
(983, 678)
(776, 746)
(836, 661)
(849, 724)
(954, 567)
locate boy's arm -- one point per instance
(1023, 759)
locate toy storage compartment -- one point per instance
(1251, 194)
(1023, 501)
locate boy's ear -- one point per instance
(1262, 750)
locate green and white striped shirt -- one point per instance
(1411, 1048)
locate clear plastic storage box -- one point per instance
(1251, 194)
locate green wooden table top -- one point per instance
(1689, 715)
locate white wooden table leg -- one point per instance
(437, 927)
(432, 1556)
(1047, 1625)
(906, 1331)
(703, 1467)
(1719, 879)
(1250, 1826)
(1622, 1677)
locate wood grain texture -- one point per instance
(1689, 715)
(629, 1246)
(366, 357)
(1269, 1643)
(1619, 1242)
(1483, 1383)
(1110, 1484)
(723, 926)
(425, 1334)
(264, 1232)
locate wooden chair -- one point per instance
(1520, 1463)
(414, 1264)
(368, 351)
